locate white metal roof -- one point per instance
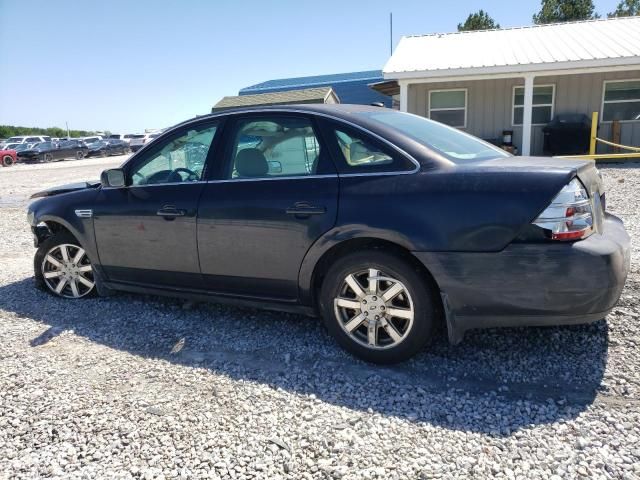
(576, 45)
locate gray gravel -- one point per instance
(143, 387)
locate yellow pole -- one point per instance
(594, 133)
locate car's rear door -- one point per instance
(274, 196)
(146, 231)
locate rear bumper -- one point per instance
(533, 284)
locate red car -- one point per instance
(8, 157)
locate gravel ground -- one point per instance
(143, 387)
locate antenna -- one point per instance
(390, 33)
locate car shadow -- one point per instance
(495, 382)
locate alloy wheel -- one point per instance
(374, 309)
(67, 271)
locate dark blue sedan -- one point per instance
(383, 223)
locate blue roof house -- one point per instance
(349, 87)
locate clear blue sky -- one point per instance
(129, 65)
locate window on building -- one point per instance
(543, 104)
(621, 101)
(449, 107)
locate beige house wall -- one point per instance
(490, 104)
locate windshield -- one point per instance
(114, 136)
(456, 146)
(15, 139)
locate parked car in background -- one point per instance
(88, 140)
(118, 136)
(33, 139)
(20, 147)
(50, 152)
(8, 157)
(139, 140)
(72, 149)
(385, 224)
(104, 148)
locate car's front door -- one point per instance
(64, 150)
(146, 231)
(276, 194)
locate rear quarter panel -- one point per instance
(440, 210)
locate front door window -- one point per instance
(180, 160)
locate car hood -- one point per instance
(70, 187)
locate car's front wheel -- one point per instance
(378, 306)
(7, 161)
(79, 155)
(63, 268)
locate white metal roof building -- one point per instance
(529, 54)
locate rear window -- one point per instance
(117, 137)
(136, 136)
(456, 146)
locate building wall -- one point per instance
(489, 104)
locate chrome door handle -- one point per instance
(303, 210)
(170, 211)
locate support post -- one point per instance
(594, 133)
(404, 96)
(527, 115)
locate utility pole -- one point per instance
(390, 33)
(67, 124)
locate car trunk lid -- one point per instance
(585, 170)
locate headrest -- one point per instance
(251, 162)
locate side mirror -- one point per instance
(113, 177)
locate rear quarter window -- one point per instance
(356, 151)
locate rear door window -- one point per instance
(274, 146)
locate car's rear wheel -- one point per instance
(378, 306)
(7, 161)
(63, 268)
(104, 153)
(79, 155)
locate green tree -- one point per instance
(479, 20)
(626, 8)
(7, 131)
(554, 11)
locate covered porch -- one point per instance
(517, 80)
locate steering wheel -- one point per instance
(175, 175)
(141, 182)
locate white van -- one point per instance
(26, 139)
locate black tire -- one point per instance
(7, 161)
(422, 293)
(44, 247)
(104, 153)
(79, 155)
(48, 157)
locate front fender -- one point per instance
(61, 209)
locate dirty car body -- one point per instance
(499, 240)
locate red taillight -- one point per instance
(578, 234)
(569, 217)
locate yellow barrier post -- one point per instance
(594, 133)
